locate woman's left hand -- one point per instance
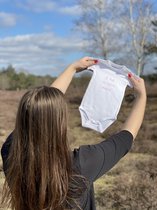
(83, 63)
(63, 81)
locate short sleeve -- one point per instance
(96, 160)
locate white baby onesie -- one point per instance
(103, 97)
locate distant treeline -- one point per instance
(11, 80)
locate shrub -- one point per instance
(133, 190)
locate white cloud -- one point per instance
(38, 53)
(70, 10)
(48, 6)
(37, 5)
(7, 19)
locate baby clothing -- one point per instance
(103, 97)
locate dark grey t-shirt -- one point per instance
(91, 161)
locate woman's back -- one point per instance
(91, 162)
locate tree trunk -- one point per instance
(140, 66)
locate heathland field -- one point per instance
(132, 183)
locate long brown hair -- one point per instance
(39, 173)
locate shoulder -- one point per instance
(96, 158)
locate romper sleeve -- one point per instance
(96, 160)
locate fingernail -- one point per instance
(129, 75)
(95, 61)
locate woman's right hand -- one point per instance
(138, 85)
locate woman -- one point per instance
(42, 173)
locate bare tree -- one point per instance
(154, 23)
(151, 48)
(138, 24)
(95, 24)
(117, 29)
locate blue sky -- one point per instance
(38, 36)
(33, 16)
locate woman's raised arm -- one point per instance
(135, 118)
(64, 79)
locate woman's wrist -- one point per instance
(141, 99)
(72, 68)
(141, 95)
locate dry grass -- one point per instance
(133, 177)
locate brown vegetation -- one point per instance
(131, 184)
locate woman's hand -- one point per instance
(83, 64)
(138, 85)
(64, 79)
